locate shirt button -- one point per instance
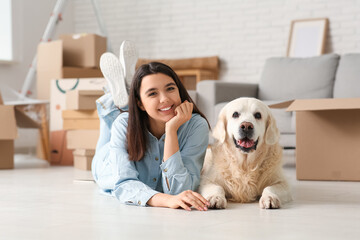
(154, 179)
(165, 170)
(156, 158)
(139, 202)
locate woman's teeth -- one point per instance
(165, 109)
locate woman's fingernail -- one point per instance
(205, 208)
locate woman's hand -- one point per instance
(183, 113)
(188, 199)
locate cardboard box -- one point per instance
(7, 154)
(8, 129)
(84, 152)
(59, 153)
(8, 132)
(80, 119)
(82, 162)
(50, 65)
(82, 99)
(83, 50)
(84, 139)
(327, 139)
(83, 158)
(59, 88)
(80, 114)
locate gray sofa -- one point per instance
(283, 79)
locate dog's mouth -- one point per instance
(246, 144)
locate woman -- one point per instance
(139, 165)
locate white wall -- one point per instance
(243, 33)
(30, 19)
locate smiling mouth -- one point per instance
(166, 109)
(246, 144)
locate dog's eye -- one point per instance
(257, 115)
(235, 115)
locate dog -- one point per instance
(245, 163)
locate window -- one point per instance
(6, 46)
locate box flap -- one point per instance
(8, 128)
(1, 100)
(281, 104)
(50, 55)
(324, 104)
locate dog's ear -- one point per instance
(219, 131)
(272, 134)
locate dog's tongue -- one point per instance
(246, 143)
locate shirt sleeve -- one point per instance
(182, 170)
(127, 186)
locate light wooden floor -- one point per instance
(39, 202)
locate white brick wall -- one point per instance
(243, 33)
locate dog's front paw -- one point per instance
(216, 201)
(269, 202)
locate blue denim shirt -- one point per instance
(136, 182)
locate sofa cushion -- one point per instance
(217, 110)
(287, 140)
(285, 121)
(294, 78)
(347, 83)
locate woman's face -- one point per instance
(159, 97)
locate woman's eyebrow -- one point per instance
(169, 84)
(150, 90)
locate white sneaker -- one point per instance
(128, 59)
(113, 73)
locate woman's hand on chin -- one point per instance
(183, 113)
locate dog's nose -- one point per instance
(246, 130)
(246, 126)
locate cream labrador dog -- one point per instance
(245, 162)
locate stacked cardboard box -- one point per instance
(74, 56)
(61, 88)
(71, 63)
(62, 120)
(82, 99)
(11, 117)
(83, 142)
(82, 123)
(83, 158)
(8, 132)
(80, 119)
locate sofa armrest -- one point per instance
(212, 92)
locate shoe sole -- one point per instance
(128, 59)
(113, 73)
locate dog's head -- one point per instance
(247, 123)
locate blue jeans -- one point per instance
(107, 112)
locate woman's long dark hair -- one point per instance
(137, 130)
